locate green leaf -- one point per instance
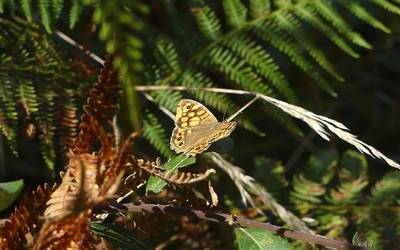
(257, 238)
(119, 236)
(27, 9)
(45, 14)
(9, 191)
(235, 12)
(74, 13)
(156, 184)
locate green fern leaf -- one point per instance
(168, 99)
(74, 13)
(386, 190)
(268, 32)
(27, 9)
(207, 20)
(167, 57)
(235, 12)
(359, 11)
(309, 15)
(47, 127)
(155, 133)
(28, 97)
(327, 11)
(262, 62)
(45, 14)
(259, 7)
(387, 6)
(292, 26)
(57, 7)
(228, 64)
(10, 114)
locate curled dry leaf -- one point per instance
(173, 177)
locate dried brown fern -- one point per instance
(172, 177)
(78, 189)
(24, 222)
(90, 179)
(68, 126)
(68, 233)
(100, 104)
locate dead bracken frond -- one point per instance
(90, 178)
(68, 127)
(172, 177)
(78, 189)
(68, 233)
(24, 222)
(100, 104)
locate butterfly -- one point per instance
(196, 128)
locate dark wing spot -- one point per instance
(179, 138)
(180, 144)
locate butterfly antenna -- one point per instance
(226, 108)
(242, 108)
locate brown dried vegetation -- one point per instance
(58, 218)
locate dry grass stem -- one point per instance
(244, 182)
(324, 126)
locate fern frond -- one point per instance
(167, 57)
(28, 96)
(235, 12)
(352, 179)
(387, 5)
(57, 7)
(155, 133)
(289, 23)
(45, 15)
(262, 62)
(328, 12)
(309, 15)
(10, 114)
(198, 80)
(207, 20)
(47, 127)
(27, 9)
(74, 13)
(306, 194)
(225, 62)
(168, 99)
(386, 190)
(321, 167)
(259, 7)
(359, 11)
(285, 44)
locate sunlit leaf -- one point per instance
(257, 238)
(9, 191)
(156, 184)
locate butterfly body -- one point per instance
(196, 128)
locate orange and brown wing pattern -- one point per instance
(190, 113)
(223, 130)
(196, 128)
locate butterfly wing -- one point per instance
(196, 128)
(190, 113)
(196, 140)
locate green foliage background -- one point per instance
(332, 57)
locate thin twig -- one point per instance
(163, 109)
(233, 220)
(79, 46)
(242, 108)
(324, 126)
